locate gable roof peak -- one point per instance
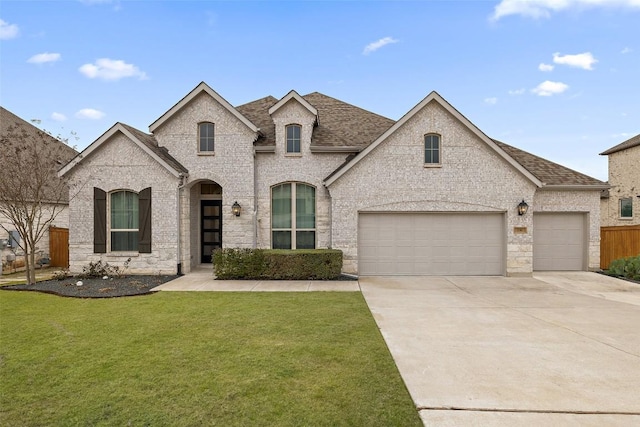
(294, 95)
(202, 87)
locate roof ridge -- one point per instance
(349, 104)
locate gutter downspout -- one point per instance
(179, 247)
(255, 200)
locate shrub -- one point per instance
(626, 267)
(277, 264)
(101, 269)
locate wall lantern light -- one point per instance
(236, 208)
(522, 207)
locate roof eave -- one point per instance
(329, 149)
(575, 187)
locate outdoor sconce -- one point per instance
(522, 207)
(236, 208)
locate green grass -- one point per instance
(199, 358)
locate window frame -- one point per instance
(621, 208)
(293, 140)
(212, 137)
(432, 150)
(294, 229)
(111, 230)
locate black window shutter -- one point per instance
(99, 221)
(144, 210)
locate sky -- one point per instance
(557, 78)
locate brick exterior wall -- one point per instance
(472, 178)
(231, 166)
(119, 164)
(624, 178)
(309, 168)
(391, 178)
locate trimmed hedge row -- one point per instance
(277, 264)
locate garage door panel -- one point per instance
(559, 241)
(431, 244)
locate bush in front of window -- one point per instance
(277, 264)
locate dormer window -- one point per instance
(206, 136)
(293, 139)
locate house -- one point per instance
(620, 206)
(429, 194)
(17, 135)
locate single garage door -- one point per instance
(431, 244)
(559, 241)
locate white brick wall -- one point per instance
(624, 178)
(118, 165)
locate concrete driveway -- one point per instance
(555, 349)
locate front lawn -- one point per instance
(197, 358)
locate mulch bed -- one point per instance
(96, 287)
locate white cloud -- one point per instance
(545, 67)
(90, 113)
(491, 101)
(58, 117)
(42, 58)
(517, 91)
(8, 31)
(111, 69)
(544, 8)
(372, 47)
(548, 88)
(626, 50)
(581, 60)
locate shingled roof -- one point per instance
(151, 142)
(14, 131)
(341, 124)
(548, 172)
(631, 142)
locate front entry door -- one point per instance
(210, 228)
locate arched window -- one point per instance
(124, 221)
(432, 149)
(293, 138)
(293, 216)
(206, 135)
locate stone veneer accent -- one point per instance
(624, 178)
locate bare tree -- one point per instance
(31, 193)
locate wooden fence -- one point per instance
(618, 242)
(59, 247)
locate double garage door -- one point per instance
(463, 243)
(431, 244)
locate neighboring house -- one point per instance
(430, 194)
(15, 133)
(620, 205)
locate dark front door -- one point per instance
(210, 228)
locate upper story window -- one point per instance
(432, 149)
(207, 137)
(124, 221)
(293, 138)
(626, 208)
(293, 216)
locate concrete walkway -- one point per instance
(202, 279)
